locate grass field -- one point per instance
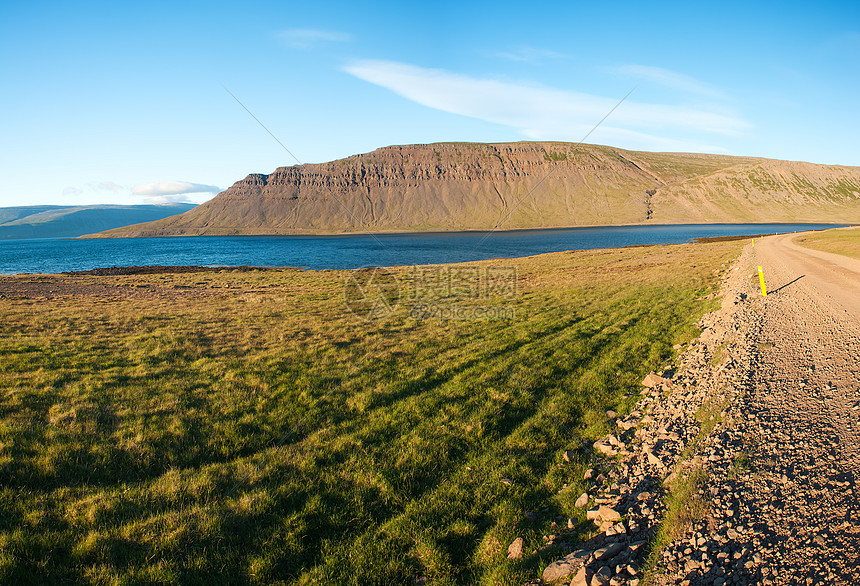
(245, 427)
(844, 241)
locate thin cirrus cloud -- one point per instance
(167, 199)
(525, 54)
(306, 38)
(109, 186)
(544, 113)
(672, 80)
(172, 188)
(94, 187)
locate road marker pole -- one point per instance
(761, 280)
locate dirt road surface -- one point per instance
(788, 499)
(804, 411)
(806, 394)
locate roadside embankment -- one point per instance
(749, 457)
(650, 469)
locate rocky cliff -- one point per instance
(472, 186)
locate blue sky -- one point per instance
(127, 102)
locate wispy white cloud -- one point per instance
(545, 113)
(94, 188)
(306, 38)
(526, 54)
(161, 200)
(672, 80)
(157, 192)
(172, 188)
(109, 186)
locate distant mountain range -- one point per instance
(72, 221)
(474, 186)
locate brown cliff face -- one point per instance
(471, 186)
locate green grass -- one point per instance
(740, 465)
(684, 505)
(685, 501)
(555, 156)
(842, 241)
(245, 428)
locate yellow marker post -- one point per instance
(761, 280)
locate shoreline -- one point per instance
(309, 234)
(188, 268)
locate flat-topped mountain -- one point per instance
(474, 186)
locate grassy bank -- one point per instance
(245, 427)
(842, 241)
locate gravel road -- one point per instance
(791, 510)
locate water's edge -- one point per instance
(350, 251)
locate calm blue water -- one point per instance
(347, 252)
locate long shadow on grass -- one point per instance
(411, 480)
(39, 559)
(242, 536)
(462, 548)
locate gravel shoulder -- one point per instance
(792, 507)
(757, 428)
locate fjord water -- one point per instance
(349, 251)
